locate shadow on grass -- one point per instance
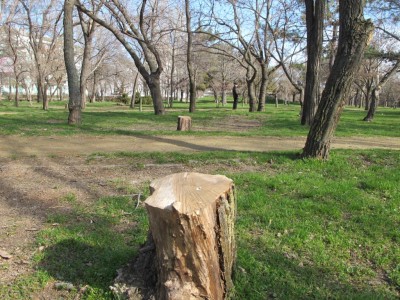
(278, 276)
(81, 263)
(178, 143)
(87, 248)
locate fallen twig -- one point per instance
(138, 201)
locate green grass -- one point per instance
(112, 119)
(321, 230)
(306, 229)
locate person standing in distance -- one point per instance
(235, 95)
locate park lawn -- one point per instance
(109, 118)
(305, 228)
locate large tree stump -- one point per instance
(192, 223)
(184, 123)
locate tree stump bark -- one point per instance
(184, 123)
(192, 223)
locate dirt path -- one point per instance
(78, 145)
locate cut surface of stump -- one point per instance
(184, 123)
(192, 223)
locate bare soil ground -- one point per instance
(37, 172)
(43, 146)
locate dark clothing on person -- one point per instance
(235, 96)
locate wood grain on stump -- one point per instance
(192, 223)
(184, 123)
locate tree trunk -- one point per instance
(332, 44)
(45, 98)
(263, 87)
(94, 88)
(373, 104)
(133, 99)
(171, 88)
(192, 81)
(60, 93)
(16, 97)
(87, 52)
(153, 82)
(355, 33)
(74, 104)
(83, 94)
(252, 96)
(27, 93)
(315, 11)
(39, 89)
(102, 98)
(367, 99)
(356, 97)
(192, 224)
(223, 95)
(250, 88)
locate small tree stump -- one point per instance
(184, 123)
(192, 223)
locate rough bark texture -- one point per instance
(192, 223)
(354, 35)
(192, 80)
(39, 89)
(315, 11)
(184, 123)
(263, 87)
(133, 98)
(74, 104)
(153, 82)
(250, 77)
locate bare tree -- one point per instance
(288, 35)
(15, 48)
(19, 67)
(385, 21)
(377, 89)
(144, 34)
(44, 35)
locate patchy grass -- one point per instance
(84, 248)
(305, 229)
(112, 119)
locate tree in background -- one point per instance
(375, 93)
(44, 38)
(141, 36)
